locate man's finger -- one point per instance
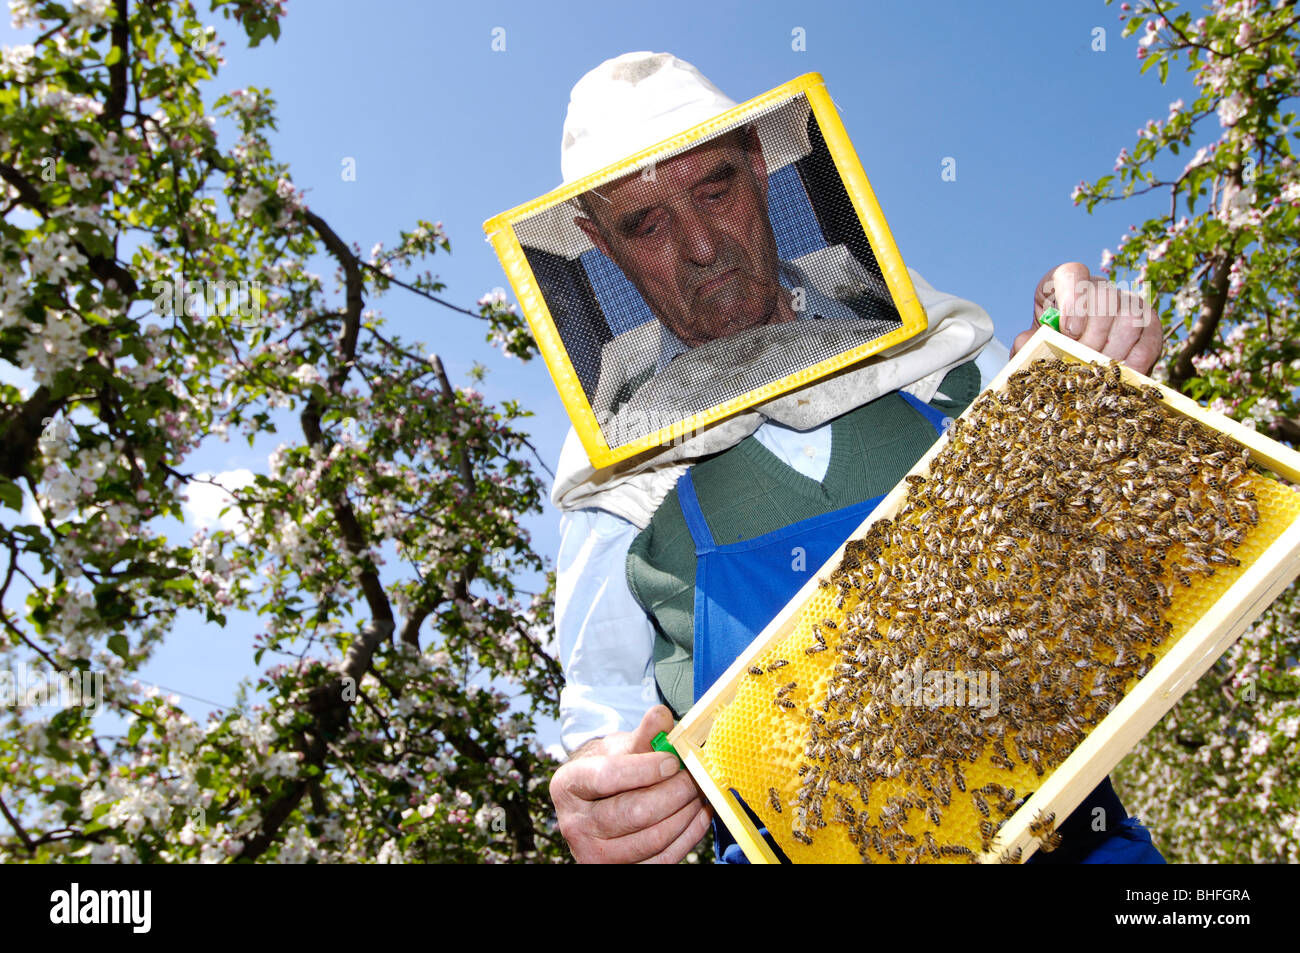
(637, 741)
(1146, 352)
(603, 776)
(1044, 295)
(1125, 329)
(644, 845)
(657, 719)
(639, 810)
(1097, 302)
(632, 846)
(1068, 279)
(688, 838)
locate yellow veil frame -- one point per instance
(501, 232)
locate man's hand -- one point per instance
(1119, 324)
(620, 801)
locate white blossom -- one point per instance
(54, 257)
(250, 201)
(17, 61)
(1232, 109)
(91, 13)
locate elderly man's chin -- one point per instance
(722, 318)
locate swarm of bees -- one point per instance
(1034, 563)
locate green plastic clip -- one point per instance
(1052, 318)
(660, 743)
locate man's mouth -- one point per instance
(713, 284)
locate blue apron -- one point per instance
(739, 589)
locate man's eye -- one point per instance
(649, 226)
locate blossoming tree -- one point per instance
(154, 282)
(1219, 779)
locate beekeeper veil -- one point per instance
(702, 257)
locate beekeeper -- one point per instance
(671, 563)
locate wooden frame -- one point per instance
(1149, 700)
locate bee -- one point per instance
(1042, 823)
(786, 689)
(931, 846)
(779, 663)
(987, 830)
(1010, 856)
(755, 670)
(774, 800)
(802, 838)
(981, 805)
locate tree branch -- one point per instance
(18, 828)
(22, 428)
(1212, 308)
(420, 291)
(327, 702)
(115, 106)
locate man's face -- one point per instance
(695, 240)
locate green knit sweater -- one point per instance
(746, 492)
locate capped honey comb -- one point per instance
(1071, 531)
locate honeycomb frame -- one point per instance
(1264, 573)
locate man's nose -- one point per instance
(698, 237)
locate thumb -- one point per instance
(657, 719)
(1021, 340)
(1070, 282)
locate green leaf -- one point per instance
(114, 55)
(11, 494)
(118, 645)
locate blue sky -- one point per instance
(443, 127)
